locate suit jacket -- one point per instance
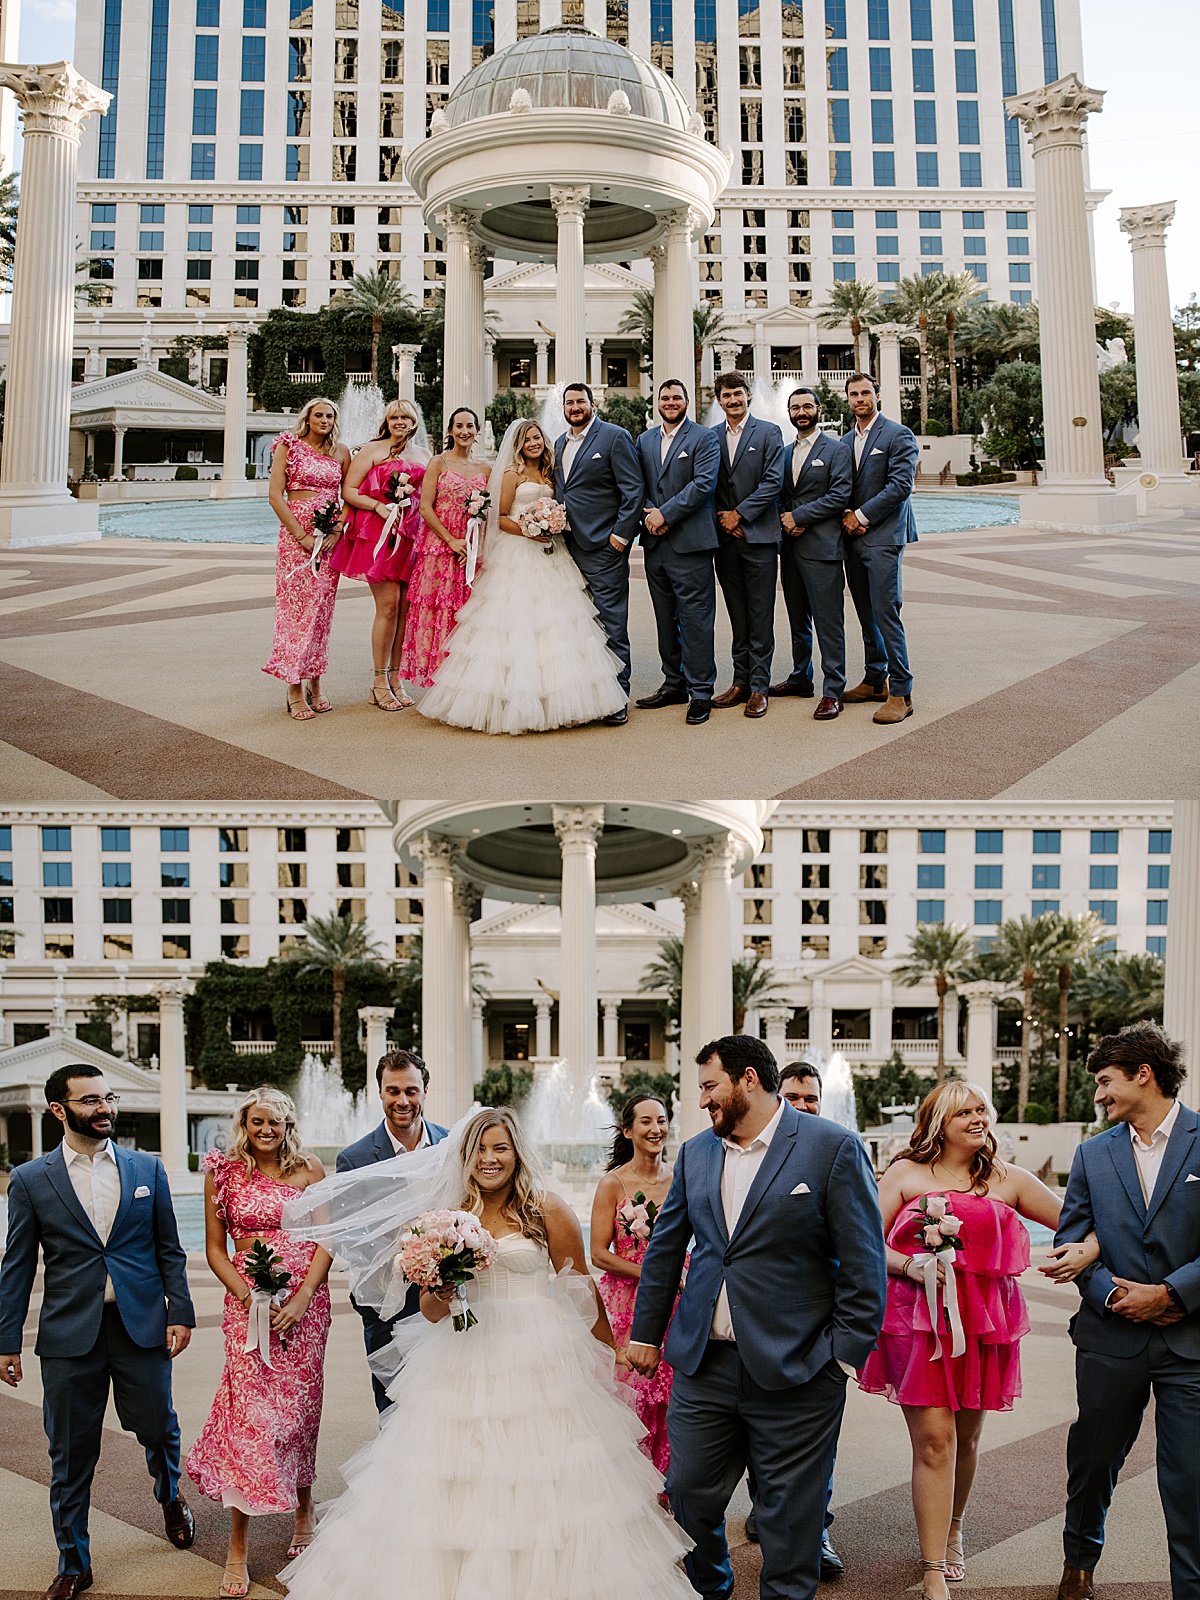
(142, 1256)
(682, 486)
(805, 1268)
(603, 495)
(818, 498)
(751, 485)
(883, 482)
(1159, 1243)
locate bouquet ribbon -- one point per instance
(928, 1263)
(258, 1324)
(388, 524)
(474, 530)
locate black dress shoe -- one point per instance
(698, 711)
(662, 697)
(179, 1523)
(616, 719)
(802, 691)
(751, 1527)
(832, 1565)
(68, 1584)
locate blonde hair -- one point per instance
(399, 408)
(527, 1197)
(290, 1156)
(928, 1140)
(546, 460)
(306, 410)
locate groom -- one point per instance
(597, 478)
(784, 1296)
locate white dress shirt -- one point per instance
(860, 444)
(801, 451)
(733, 437)
(572, 448)
(667, 435)
(97, 1182)
(402, 1149)
(738, 1172)
(1148, 1157)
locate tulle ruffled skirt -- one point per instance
(506, 1469)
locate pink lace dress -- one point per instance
(650, 1395)
(438, 587)
(259, 1444)
(354, 556)
(905, 1366)
(303, 604)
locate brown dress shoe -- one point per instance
(865, 691)
(896, 708)
(1075, 1584)
(802, 691)
(179, 1523)
(68, 1584)
(732, 697)
(756, 706)
(827, 709)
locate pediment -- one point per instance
(145, 390)
(782, 319)
(34, 1062)
(541, 276)
(546, 921)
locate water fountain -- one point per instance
(768, 402)
(359, 410)
(329, 1115)
(571, 1124)
(837, 1092)
(550, 418)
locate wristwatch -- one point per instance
(1175, 1297)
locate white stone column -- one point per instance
(438, 973)
(477, 392)
(456, 349)
(464, 1083)
(981, 1000)
(542, 1005)
(881, 1021)
(35, 504)
(35, 1129)
(1074, 491)
(596, 365)
(762, 353)
(1181, 1009)
(820, 1022)
(570, 205)
(172, 1083)
(541, 369)
(233, 484)
(578, 829)
(489, 370)
(725, 358)
(889, 368)
(715, 983)
(657, 256)
(1160, 441)
(680, 337)
(691, 1118)
(118, 454)
(478, 1041)
(375, 1019)
(404, 365)
(777, 1019)
(610, 1008)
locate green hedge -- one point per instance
(336, 341)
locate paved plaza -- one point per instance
(1013, 1527)
(1046, 664)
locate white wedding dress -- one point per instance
(527, 651)
(507, 1467)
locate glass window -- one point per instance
(931, 911)
(844, 272)
(972, 219)
(1021, 297)
(204, 163)
(1156, 945)
(204, 111)
(964, 19)
(174, 839)
(1106, 910)
(989, 877)
(931, 875)
(56, 874)
(838, 70)
(247, 215)
(1102, 877)
(843, 244)
(251, 126)
(1104, 841)
(437, 16)
(119, 911)
(920, 19)
(1156, 913)
(1043, 908)
(931, 244)
(835, 19)
(205, 68)
(104, 239)
(843, 219)
(881, 71)
(966, 75)
(58, 910)
(104, 213)
(1158, 876)
(114, 838)
(250, 163)
(970, 170)
(878, 21)
(116, 874)
(254, 13)
(200, 271)
(56, 839)
(1018, 246)
(922, 63)
(254, 58)
(975, 245)
(925, 121)
(177, 947)
(1160, 841)
(150, 239)
(175, 875)
(932, 841)
(199, 241)
(208, 13)
(1018, 221)
(989, 841)
(234, 841)
(885, 219)
(177, 910)
(884, 172)
(887, 271)
(6, 836)
(968, 122)
(1047, 875)
(841, 172)
(292, 841)
(1047, 841)
(881, 122)
(988, 913)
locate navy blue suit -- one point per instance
(364, 1152)
(1119, 1363)
(882, 486)
(746, 565)
(805, 1273)
(84, 1344)
(679, 560)
(811, 561)
(603, 497)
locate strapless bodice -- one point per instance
(526, 495)
(521, 1271)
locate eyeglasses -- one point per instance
(91, 1101)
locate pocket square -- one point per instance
(818, 463)
(1193, 1178)
(596, 456)
(801, 1188)
(683, 455)
(749, 449)
(141, 1192)
(876, 452)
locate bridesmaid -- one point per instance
(257, 1453)
(368, 490)
(951, 1170)
(307, 468)
(637, 1165)
(439, 584)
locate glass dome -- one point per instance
(567, 67)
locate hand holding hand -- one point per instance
(285, 1317)
(655, 521)
(643, 1358)
(10, 1370)
(730, 521)
(178, 1339)
(789, 523)
(850, 522)
(1144, 1302)
(1065, 1262)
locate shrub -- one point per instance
(628, 412)
(501, 1086)
(636, 1080)
(936, 429)
(1037, 1113)
(507, 406)
(186, 474)
(251, 470)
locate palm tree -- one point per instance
(1076, 938)
(337, 945)
(376, 295)
(915, 300)
(856, 303)
(639, 320)
(943, 951)
(753, 980)
(709, 327)
(666, 972)
(1113, 990)
(1002, 332)
(959, 291)
(1026, 949)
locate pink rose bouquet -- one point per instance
(478, 502)
(637, 1217)
(446, 1247)
(543, 519)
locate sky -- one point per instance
(1142, 145)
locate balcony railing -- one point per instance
(914, 1052)
(264, 1047)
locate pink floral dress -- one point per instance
(650, 1395)
(354, 555)
(259, 1444)
(439, 585)
(303, 604)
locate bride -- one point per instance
(527, 651)
(507, 1453)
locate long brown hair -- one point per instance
(527, 1196)
(545, 460)
(928, 1141)
(622, 1145)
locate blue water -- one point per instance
(253, 521)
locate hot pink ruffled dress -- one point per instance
(987, 1376)
(259, 1444)
(438, 587)
(303, 604)
(354, 555)
(650, 1395)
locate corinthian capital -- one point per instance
(455, 220)
(53, 98)
(1147, 224)
(1056, 114)
(570, 202)
(576, 825)
(480, 255)
(718, 854)
(434, 852)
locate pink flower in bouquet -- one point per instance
(637, 1217)
(950, 1224)
(478, 502)
(932, 1235)
(544, 518)
(446, 1247)
(935, 1207)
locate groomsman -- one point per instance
(680, 460)
(817, 483)
(748, 485)
(402, 1079)
(883, 456)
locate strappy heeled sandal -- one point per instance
(931, 1566)
(956, 1567)
(383, 698)
(299, 711)
(233, 1588)
(405, 700)
(317, 699)
(300, 1543)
